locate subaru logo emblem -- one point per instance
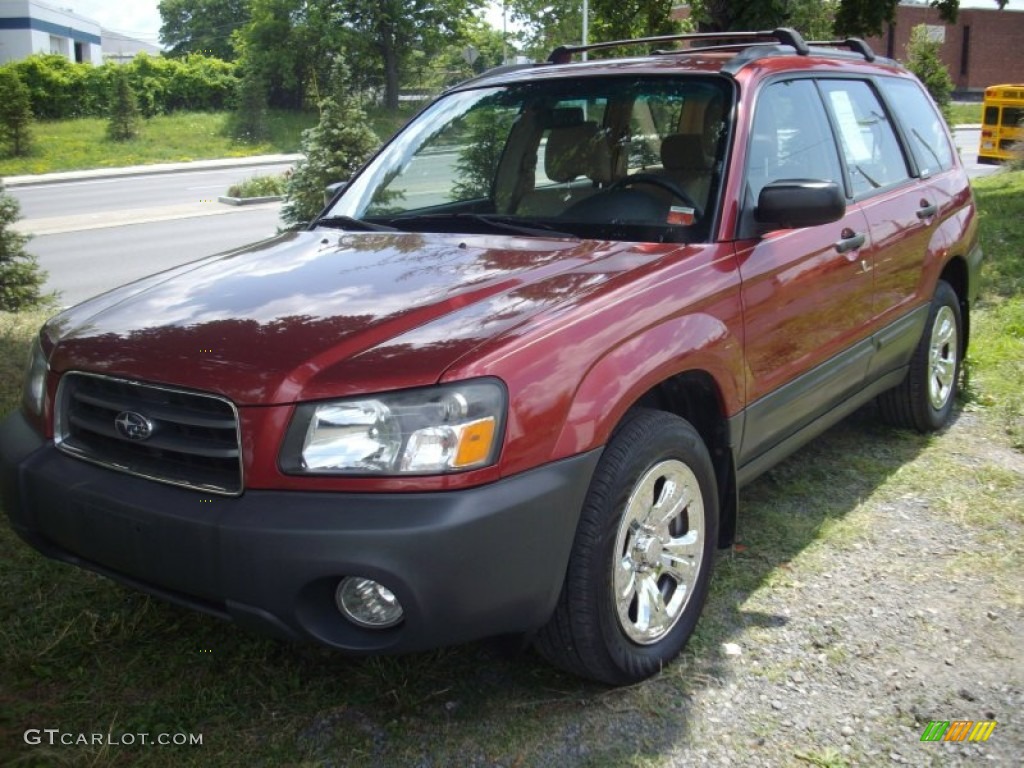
(133, 426)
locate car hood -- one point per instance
(312, 315)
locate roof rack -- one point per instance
(855, 44)
(563, 54)
(721, 41)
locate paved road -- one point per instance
(83, 264)
(967, 140)
(76, 198)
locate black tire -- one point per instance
(594, 635)
(924, 399)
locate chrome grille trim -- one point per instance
(196, 441)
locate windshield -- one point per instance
(618, 158)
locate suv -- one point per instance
(510, 380)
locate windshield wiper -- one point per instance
(351, 223)
(497, 223)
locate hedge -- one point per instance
(60, 88)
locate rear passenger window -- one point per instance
(872, 152)
(924, 126)
(791, 138)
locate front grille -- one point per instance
(170, 435)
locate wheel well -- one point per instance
(955, 273)
(694, 396)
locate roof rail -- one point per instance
(563, 54)
(855, 44)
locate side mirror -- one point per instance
(333, 189)
(793, 203)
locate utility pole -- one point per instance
(586, 24)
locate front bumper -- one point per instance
(465, 564)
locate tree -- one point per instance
(201, 26)
(248, 121)
(550, 23)
(20, 275)
(392, 29)
(923, 60)
(334, 148)
(15, 112)
(123, 123)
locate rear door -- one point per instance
(807, 293)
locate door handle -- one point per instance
(927, 210)
(850, 241)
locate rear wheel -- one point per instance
(924, 400)
(641, 562)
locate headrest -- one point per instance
(577, 150)
(684, 152)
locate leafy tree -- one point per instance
(279, 44)
(552, 23)
(123, 123)
(334, 148)
(547, 24)
(392, 29)
(923, 60)
(201, 26)
(450, 66)
(623, 19)
(15, 112)
(20, 276)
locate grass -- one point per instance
(961, 113)
(68, 145)
(84, 655)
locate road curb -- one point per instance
(248, 200)
(146, 170)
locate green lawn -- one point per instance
(965, 113)
(84, 655)
(67, 145)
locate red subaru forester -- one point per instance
(512, 377)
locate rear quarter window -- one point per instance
(922, 124)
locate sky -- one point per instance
(141, 19)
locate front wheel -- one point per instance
(924, 400)
(640, 565)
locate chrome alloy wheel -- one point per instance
(942, 358)
(658, 551)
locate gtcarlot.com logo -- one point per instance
(55, 737)
(958, 730)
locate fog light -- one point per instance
(367, 603)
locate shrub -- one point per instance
(15, 113)
(60, 89)
(124, 110)
(260, 186)
(924, 61)
(20, 275)
(334, 149)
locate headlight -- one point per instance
(34, 391)
(442, 429)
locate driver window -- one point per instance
(791, 138)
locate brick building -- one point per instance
(984, 47)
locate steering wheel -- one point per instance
(669, 185)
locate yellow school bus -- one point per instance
(1002, 123)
